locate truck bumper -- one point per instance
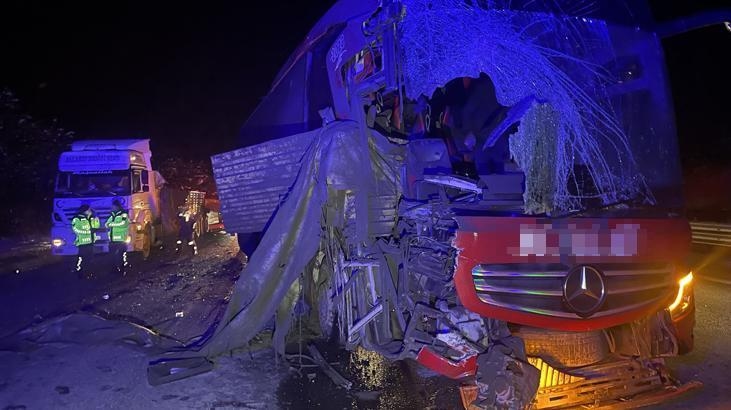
(620, 384)
(62, 242)
(684, 325)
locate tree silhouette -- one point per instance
(29, 150)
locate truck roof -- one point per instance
(340, 12)
(140, 145)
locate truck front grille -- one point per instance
(101, 213)
(538, 288)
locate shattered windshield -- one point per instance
(92, 184)
(575, 101)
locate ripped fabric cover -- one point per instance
(337, 155)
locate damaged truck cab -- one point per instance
(497, 194)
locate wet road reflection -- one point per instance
(377, 384)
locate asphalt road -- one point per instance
(177, 294)
(710, 360)
(181, 295)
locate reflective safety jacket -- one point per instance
(82, 226)
(118, 222)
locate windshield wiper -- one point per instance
(641, 202)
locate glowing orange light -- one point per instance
(682, 283)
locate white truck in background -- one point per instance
(95, 173)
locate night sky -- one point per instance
(188, 75)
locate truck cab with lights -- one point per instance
(95, 173)
(516, 220)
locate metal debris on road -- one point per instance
(327, 369)
(106, 296)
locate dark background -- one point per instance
(188, 75)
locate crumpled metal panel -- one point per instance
(384, 196)
(252, 181)
(383, 212)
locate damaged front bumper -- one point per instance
(616, 384)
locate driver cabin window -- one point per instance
(136, 181)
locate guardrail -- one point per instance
(711, 233)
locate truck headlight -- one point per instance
(57, 242)
(683, 299)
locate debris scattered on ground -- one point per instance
(112, 375)
(338, 379)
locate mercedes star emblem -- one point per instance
(584, 290)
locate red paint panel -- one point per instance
(494, 240)
(440, 364)
(499, 240)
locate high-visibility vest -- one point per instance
(118, 221)
(82, 226)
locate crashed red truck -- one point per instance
(489, 188)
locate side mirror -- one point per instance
(145, 188)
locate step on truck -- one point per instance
(97, 172)
(489, 188)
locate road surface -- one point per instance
(155, 293)
(710, 360)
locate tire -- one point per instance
(328, 316)
(202, 226)
(147, 242)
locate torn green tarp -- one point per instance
(339, 156)
(87, 329)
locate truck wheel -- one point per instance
(328, 316)
(156, 240)
(147, 242)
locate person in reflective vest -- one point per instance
(118, 225)
(84, 224)
(186, 230)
